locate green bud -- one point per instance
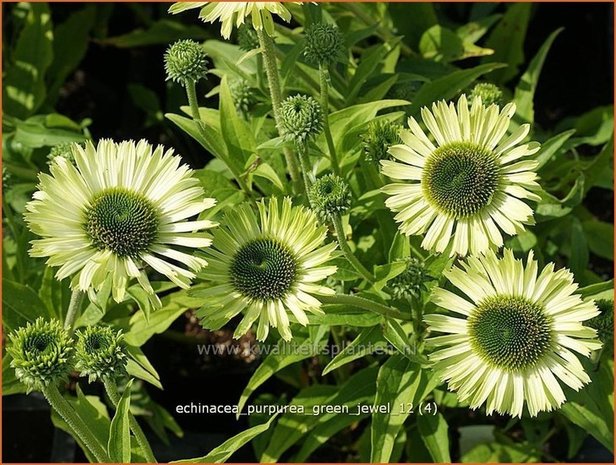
(301, 118)
(324, 44)
(247, 38)
(604, 322)
(185, 61)
(64, 150)
(100, 353)
(488, 92)
(411, 282)
(243, 95)
(378, 138)
(330, 196)
(42, 353)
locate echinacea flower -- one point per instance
(268, 266)
(122, 206)
(42, 353)
(467, 184)
(515, 334)
(235, 13)
(100, 353)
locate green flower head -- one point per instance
(324, 44)
(185, 61)
(42, 353)
(378, 138)
(243, 95)
(488, 92)
(411, 282)
(64, 150)
(100, 353)
(330, 196)
(604, 322)
(301, 118)
(247, 38)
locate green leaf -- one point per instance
(164, 31)
(525, 90)
(93, 412)
(441, 44)
(400, 382)
(507, 41)
(600, 237)
(338, 315)
(71, 40)
(368, 338)
(412, 19)
(475, 30)
(37, 134)
(449, 86)
(397, 337)
(213, 141)
(235, 131)
(264, 170)
(140, 367)
(578, 258)
(23, 81)
(552, 146)
(552, 207)
(400, 248)
(370, 60)
(118, 447)
(282, 356)
(592, 408)
(434, 433)
(598, 291)
(223, 452)
(21, 305)
(358, 389)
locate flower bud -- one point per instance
(185, 61)
(100, 353)
(488, 92)
(42, 353)
(301, 118)
(324, 44)
(330, 196)
(378, 138)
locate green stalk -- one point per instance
(77, 425)
(348, 253)
(273, 81)
(366, 304)
(114, 395)
(324, 84)
(304, 161)
(73, 307)
(191, 94)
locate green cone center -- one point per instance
(263, 269)
(122, 221)
(39, 343)
(460, 178)
(510, 332)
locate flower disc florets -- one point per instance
(185, 61)
(324, 44)
(301, 118)
(42, 353)
(100, 353)
(330, 196)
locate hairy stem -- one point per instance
(366, 304)
(273, 81)
(114, 395)
(77, 425)
(324, 84)
(304, 161)
(73, 309)
(348, 253)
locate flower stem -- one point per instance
(60, 405)
(348, 253)
(191, 94)
(366, 304)
(324, 84)
(273, 81)
(73, 307)
(304, 161)
(114, 395)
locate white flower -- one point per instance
(466, 185)
(515, 335)
(235, 13)
(122, 206)
(268, 266)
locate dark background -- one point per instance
(577, 76)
